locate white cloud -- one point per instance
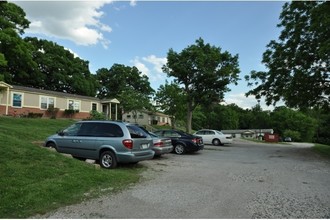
(132, 3)
(157, 62)
(141, 66)
(246, 102)
(151, 66)
(78, 21)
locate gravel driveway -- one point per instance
(244, 180)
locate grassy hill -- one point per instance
(35, 180)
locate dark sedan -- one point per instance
(182, 142)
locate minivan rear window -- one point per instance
(100, 130)
(136, 132)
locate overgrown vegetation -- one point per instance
(35, 180)
(322, 149)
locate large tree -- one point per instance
(15, 53)
(285, 121)
(298, 63)
(126, 83)
(205, 73)
(170, 98)
(68, 74)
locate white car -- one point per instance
(214, 137)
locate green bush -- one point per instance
(34, 115)
(95, 115)
(52, 112)
(70, 112)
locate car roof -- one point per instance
(101, 121)
(207, 130)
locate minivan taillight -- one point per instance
(194, 140)
(128, 143)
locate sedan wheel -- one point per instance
(216, 142)
(108, 160)
(179, 149)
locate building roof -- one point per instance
(55, 93)
(240, 131)
(60, 94)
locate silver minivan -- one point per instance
(107, 142)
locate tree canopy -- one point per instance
(170, 98)
(298, 63)
(68, 74)
(126, 83)
(205, 73)
(39, 63)
(15, 56)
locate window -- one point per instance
(72, 130)
(74, 105)
(200, 132)
(140, 116)
(94, 107)
(47, 102)
(128, 116)
(171, 134)
(100, 130)
(209, 132)
(136, 132)
(17, 99)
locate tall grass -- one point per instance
(322, 149)
(35, 180)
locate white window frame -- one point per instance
(22, 98)
(47, 102)
(75, 104)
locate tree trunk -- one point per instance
(173, 121)
(189, 116)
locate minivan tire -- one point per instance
(108, 160)
(51, 145)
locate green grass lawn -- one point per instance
(322, 149)
(35, 180)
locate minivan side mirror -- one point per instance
(61, 133)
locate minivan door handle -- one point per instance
(76, 141)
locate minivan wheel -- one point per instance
(51, 145)
(108, 160)
(216, 142)
(179, 149)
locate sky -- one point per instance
(140, 33)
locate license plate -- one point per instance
(144, 146)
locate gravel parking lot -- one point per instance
(243, 180)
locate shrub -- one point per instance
(52, 112)
(95, 115)
(70, 112)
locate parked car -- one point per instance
(287, 139)
(214, 137)
(161, 145)
(182, 142)
(107, 142)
